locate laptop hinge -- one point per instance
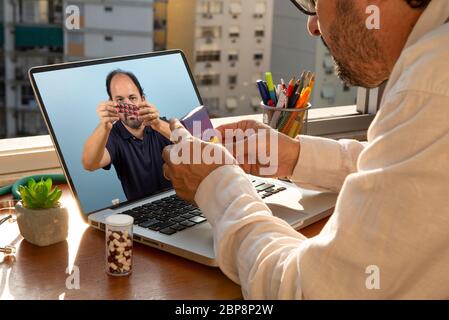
(120, 205)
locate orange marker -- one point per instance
(302, 102)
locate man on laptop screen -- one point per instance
(131, 136)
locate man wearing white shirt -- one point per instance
(392, 213)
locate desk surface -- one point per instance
(40, 273)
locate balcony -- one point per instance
(39, 36)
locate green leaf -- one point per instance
(31, 183)
(55, 196)
(28, 202)
(32, 191)
(48, 184)
(51, 204)
(25, 199)
(41, 193)
(58, 194)
(47, 205)
(24, 192)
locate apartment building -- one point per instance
(110, 28)
(294, 50)
(330, 90)
(33, 32)
(228, 46)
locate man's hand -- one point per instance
(187, 175)
(149, 114)
(287, 150)
(107, 112)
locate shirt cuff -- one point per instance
(220, 188)
(319, 164)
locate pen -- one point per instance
(296, 86)
(263, 92)
(281, 104)
(278, 91)
(271, 88)
(302, 83)
(301, 103)
(291, 86)
(290, 90)
(283, 84)
(297, 124)
(312, 82)
(297, 94)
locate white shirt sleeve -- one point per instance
(324, 164)
(252, 247)
(388, 235)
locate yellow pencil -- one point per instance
(300, 119)
(301, 103)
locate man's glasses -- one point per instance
(306, 6)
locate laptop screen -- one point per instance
(70, 95)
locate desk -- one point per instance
(40, 273)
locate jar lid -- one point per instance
(119, 220)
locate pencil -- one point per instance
(299, 120)
(301, 103)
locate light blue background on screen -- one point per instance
(71, 96)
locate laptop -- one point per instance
(68, 95)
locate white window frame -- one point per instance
(341, 121)
(29, 154)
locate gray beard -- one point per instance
(360, 61)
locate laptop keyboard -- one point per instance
(171, 214)
(167, 215)
(266, 190)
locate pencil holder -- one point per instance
(289, 121)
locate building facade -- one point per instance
(228, 46)
(31, 35)
(110, 28)
(34, 32)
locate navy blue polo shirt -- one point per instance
(138, 162)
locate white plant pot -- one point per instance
(43, 227)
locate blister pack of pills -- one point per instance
(127, 108)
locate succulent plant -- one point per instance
(39, 195)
